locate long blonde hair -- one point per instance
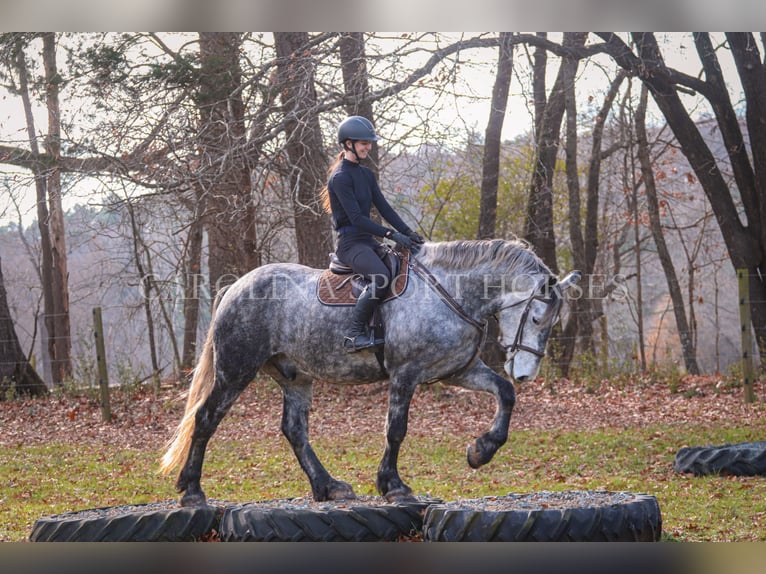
(324, 194)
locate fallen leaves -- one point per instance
(145, 420)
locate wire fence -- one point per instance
(724, 341)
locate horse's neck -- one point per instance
(474, 289)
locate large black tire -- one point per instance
(156, 522)
(743, 459)
(592, 517)
(295, 520)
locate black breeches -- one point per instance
(361, 256)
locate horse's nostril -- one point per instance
(521, 379)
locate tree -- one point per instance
(745, 242)
(307, 159)
(491, 158)
(224, 175)
(17, 376)
(61, 361)
(47, 176)
(538, 229)
(584, 237)
(687, 341)
(18, 44)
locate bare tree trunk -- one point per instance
(752, 73)
(578, 307)
(539, 69)
(61, 336)
(538, 228)
(629, 182)
(584, 239)
(17, 377)
(46, 258)
(191, 286)
(492, 138)
(225, 168)
(491, 353)
(674, 287)
(145, 278)
(305, 149)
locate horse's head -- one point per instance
(526, 318)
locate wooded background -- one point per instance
(141, 172)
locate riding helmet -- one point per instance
(356, 128)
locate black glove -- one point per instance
(416, 237)
(403, 241)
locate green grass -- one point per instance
(44, 480)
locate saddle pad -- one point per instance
(333, 289)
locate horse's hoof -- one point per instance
(193, 500)
(403, 494)
(340, 491)
(474, 456)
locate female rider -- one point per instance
(350, 193)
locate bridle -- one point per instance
(517, 345)
(419, 269)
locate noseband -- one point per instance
(517, 345)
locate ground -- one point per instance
(56, 455)
(143, 420)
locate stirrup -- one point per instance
(361, 342)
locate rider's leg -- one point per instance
(361, 336)
(363, 260)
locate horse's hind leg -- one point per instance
(206, 421)
(295, 426)
(481, 378)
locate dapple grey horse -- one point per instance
(271, 321)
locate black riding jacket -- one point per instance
(353, 191)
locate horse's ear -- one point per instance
(571, 279)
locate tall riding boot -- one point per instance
(361, 336)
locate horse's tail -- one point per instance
(199, 390)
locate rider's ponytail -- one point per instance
(324, 194)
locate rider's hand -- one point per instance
(403, 241)
(416, 237)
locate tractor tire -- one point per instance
(156, 522)
(575, 516)
(296, 520)
(743, 459)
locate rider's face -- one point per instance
(363, 148)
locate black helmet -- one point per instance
(356, 128)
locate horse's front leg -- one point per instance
(389, 483)
(481, 378)
(295, 426)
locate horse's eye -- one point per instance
(535, 320)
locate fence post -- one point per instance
(103, 378)
(743, 281)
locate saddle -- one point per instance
(339, 285)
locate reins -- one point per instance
(422, 271)
(481, 326)
(433, 283)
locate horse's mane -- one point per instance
(493, 255)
